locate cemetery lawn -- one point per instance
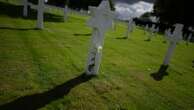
(37, 61)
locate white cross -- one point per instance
(65, 12)
(167, 32)
(40, 16)
(101, 21)
(189, 38)
(173, 39)
(146, 28)
(154, 28)
(40, 11)
(154, 19)
(190, 35)
(191, 29)
(25, 8)
(130, 27)
(151, 31)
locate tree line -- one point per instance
(169, 11)
(75, 4)
(175, 11)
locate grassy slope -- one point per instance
(34, 61)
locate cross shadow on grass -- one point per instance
(193, 63)
(147, 40)
(15, 11)
(158, 76)
(36, 101)
(19, 29)
(88, 34)
(122, 38)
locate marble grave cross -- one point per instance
(173, 38)
(40, 12)
(101, 20)
(40, 16)
(129, 27)
(65, 12)
(152, 32)
(25, 8)
(190, 34)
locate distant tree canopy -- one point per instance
(83, 4)
(76, 4)
(175, 11)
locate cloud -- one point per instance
(126, 11)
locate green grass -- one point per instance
(35, 61)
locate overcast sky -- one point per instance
(132, 8)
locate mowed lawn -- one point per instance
(44, 66)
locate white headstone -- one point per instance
(191, 29)
(189, 38)
(65, 12)
(151, 32)
(190, 35)
(157, 19)
(88, 12)
(173, 39)
(167, 32)
(130, 27)
(154, 28)
(25, 8)
(154, 19)
(40, 16)
(101, 21)
(114, 25)
(146, 28)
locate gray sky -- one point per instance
(132, 8)
(133, 1)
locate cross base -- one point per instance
(161, 73)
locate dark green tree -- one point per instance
(112, 5)
(76, 4)
(175, 11)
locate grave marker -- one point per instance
(40, 11)
(65, 12)
(167, 33)
(190, 35)
(151, 31)
(40, 15)
(130, 26)
(173, 39)
(189, 38)
(146, 29)
(25, 8)
(101, 21)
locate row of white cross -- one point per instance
(40, 11)
(101, 20)
(151, 31)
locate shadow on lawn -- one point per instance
(147, 40)
(193, 63)
(121, 38)
(158, 76)
(16, 11)
(36, 101)
(19, 29)
(76, 34)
